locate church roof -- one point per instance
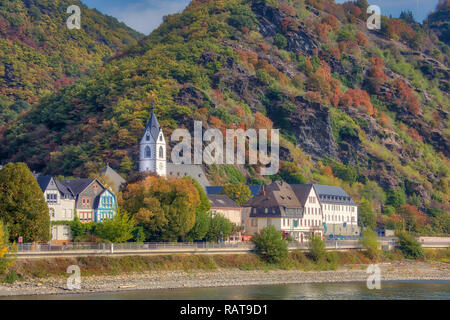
(153, 126)
(188, 170)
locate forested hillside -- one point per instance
(39, 54)
(367, 110)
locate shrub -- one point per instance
(369, 240)
(317, 249)
(280, 41)
(11, 277)
(270, 245)
(410, 247)
(333, 259)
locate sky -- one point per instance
(146, 15)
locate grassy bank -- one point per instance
(43, 268)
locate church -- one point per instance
(153, 156)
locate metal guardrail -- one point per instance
(24, 248)
(29, 247)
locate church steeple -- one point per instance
(153, 148)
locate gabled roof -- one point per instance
(63, 189)
(302, 192)
(277, 194)
(333, 195)
(113, 176)
(153, 126)
(97, 198)
(43, 182)
(221, 201)
(78, 185)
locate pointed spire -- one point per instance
(153, 125)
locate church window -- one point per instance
(147, 137)
(161, 152)
(148, 153)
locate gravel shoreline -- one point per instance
(404, 270)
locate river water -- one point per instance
(393, 290)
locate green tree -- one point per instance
(317, 248)
(270, 245)
(242, 16)
(118, 229)
(374, 193)
(290, 173)
(369, 240)
(165, 208)
(344, 172)
(367, 218)
(22, 204)
(280, 41)
(220, 228)
(239, 192)
(139, 234)
(126, 166)
(396, 198)
(410, 247)
(202, 216)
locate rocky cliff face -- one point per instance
(310, 71)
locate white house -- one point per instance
(292, 209)
(61, 205)
(340, 212)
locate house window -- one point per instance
(161, 152)
(148, 153)
(213, 212)
(147, 137)
(160, 138)
(254, 223)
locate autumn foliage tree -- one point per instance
(166, 209)
(407, 98)
(413, 218)
(375, 76)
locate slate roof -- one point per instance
(333, 195)
(112, 175)
(43, 182)
(77, 186)
(275, 200)
(302, 192)
(63, 189)
(188, 170)
(222, 201)
(153, 125)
